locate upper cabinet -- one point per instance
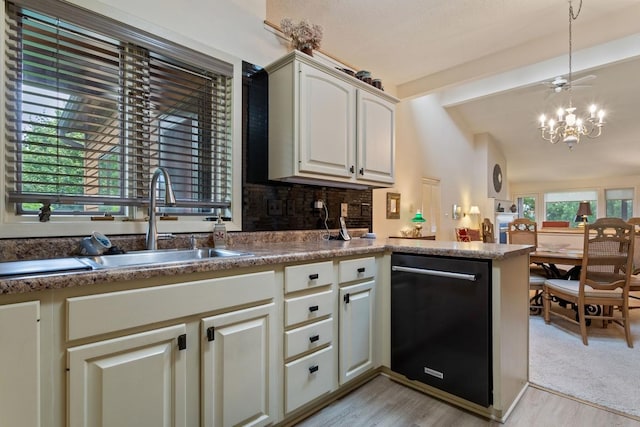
(328, 128)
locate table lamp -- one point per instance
(475, 210)
(584, 210)
(417, 224)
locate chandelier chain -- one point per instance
(572, 17)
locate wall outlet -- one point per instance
(344, 209)
(317, 204)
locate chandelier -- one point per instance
(569, 127)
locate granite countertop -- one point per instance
(269, 253)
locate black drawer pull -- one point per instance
(313, 276)
(313, 369)
(361, 270)
(314, 338)
(313, 308)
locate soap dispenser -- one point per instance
(219, 234)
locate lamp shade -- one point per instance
(418, 217)
(584, 209)
(474, 210)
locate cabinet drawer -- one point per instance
(307, 337)
(299, 277)
(308, 378)
(308, 307)
(357, 269)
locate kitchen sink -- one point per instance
(161, 256)
(66, 265)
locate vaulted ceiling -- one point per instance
(488, 58)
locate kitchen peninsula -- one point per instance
(317, 315)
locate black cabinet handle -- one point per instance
(313, 369)
(211, 333)
(361, 171)
(314, 338)
(182, 342)
(313, 308)
(352, 169)
(346, 298)
(313, 276)
(361, 270)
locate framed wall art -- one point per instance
(393, 205)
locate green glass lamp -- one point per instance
(417, 224)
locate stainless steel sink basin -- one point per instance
(162, 256)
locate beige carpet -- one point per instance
(605, 372)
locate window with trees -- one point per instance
(563, 206)
(527, 207)
(619, 203)
(94, 106)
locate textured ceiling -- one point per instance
(499, 51)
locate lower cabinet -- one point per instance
(237, 368)
(135, 380)
(356, 330)
(357, 279)
(20, 364)
(220, 351)
(309, 368)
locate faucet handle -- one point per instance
(166, 236)
(193, 242)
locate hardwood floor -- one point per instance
(383, 402)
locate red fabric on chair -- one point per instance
(462, 235)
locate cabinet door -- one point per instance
(136, 380)
(376, 138)
(356, 330)
(326, 128)
(20, 364)
(239, 367)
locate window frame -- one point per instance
(63, 225)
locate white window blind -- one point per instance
(94, 106)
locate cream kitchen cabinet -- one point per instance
(20, 364)
(236, 356)
(135, 380)
(210, 356)
(328, 127)
(356, 317)
(309, 358)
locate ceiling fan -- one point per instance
(560, 83)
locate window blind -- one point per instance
(91, 113)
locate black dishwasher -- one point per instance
(441, 323)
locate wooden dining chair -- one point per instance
(488, 231)
(523, 231)
(634, 285)
(607, 262)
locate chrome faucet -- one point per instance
(169, 199)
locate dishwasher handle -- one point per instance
(439, 273)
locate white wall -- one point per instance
(431, 143)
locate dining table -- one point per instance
(550, 259)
